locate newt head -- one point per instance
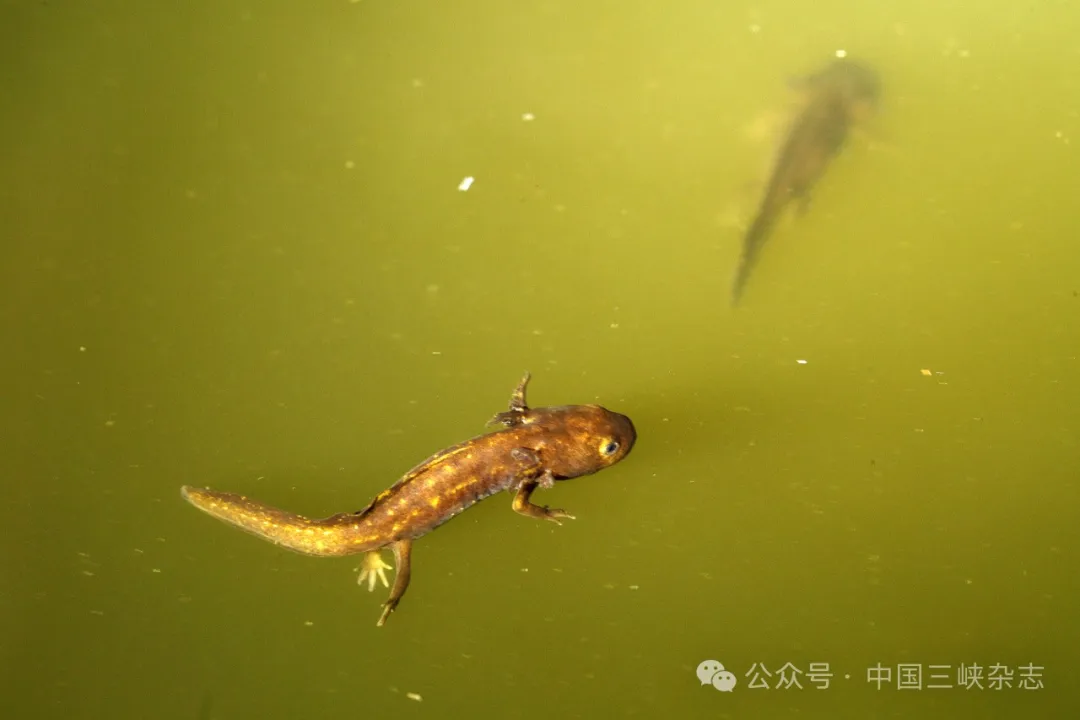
(582, 439)
(856, 86)
(570, 440)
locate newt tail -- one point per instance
(327, 537)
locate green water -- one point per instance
(235, 254)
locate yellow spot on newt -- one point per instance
(434, 502)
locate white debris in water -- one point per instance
(414, 696)
(528, 117)
(841, 53)
(801, 362)
(465, 184)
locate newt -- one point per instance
(836, 98)
(535, 448)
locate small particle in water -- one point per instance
(414, 696)
(156, 570)
(528, 117)
(110, 423)
(524, 569)
(614, 326)
(926, 371)
(82, 348)
(635, 587)
(755, 28)
(841, 53)
(465, 184)
(436, 352)
(349, 164)
(801, 362)
(308, 623)
(97, 612)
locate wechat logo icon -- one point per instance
(711, 672)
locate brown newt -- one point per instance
(535, 448)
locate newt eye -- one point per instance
(609, 448)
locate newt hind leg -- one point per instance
(402, 557)
(373, 568)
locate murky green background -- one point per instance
(235, 254)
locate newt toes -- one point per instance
(535, 448)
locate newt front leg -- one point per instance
(525, 506)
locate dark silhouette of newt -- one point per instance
(836, 97)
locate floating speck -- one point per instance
(801, 362)
(308, 623)
(156, 570)
(82, 348)
(414, 696)
(635, 587)
(465, 184)
(926, 371)
(349, 165)
(841, 53)
(528, 117)
(755, 28)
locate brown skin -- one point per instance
(536, 447)
(837, 97)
